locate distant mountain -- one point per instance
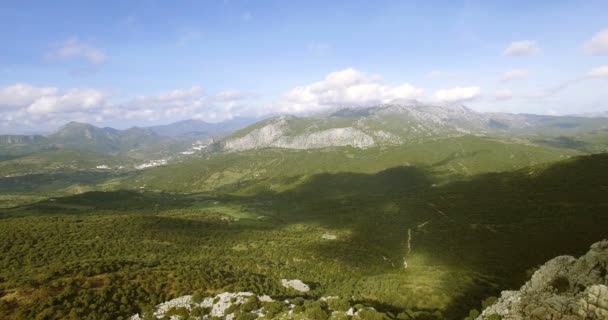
(357, 127)
(141, 143)
(15, 145)
(201, 129)
(399, 124)
(15, 140)
(597, 114)
(84, 136)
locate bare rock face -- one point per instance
(565, 288)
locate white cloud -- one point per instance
(75, 100)
(599, 72)
(20, 94)
(44, 100)
(456, 95)
(522, 48)
(504, 94)
(346, 87)
(46, 107)
(598, 44)
(514, 75)
(186, 103)
(74, 48)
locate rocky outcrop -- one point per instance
(295, 284)
(247, 305)
(563, 288)
(274, 135)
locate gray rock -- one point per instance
(564, 288)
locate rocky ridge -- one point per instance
(564, 288)
(398, 124)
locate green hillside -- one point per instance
(278, 169)
(107, 255)
(54, 172)
(55, 160)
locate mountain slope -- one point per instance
(277, 169)
(399, 124)
(15, 145)
(200, 129)
(85, 136)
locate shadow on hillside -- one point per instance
(456, 156)
(122, 201)
(496, 225)
(52, 182)
(493, 226)
(564, 142)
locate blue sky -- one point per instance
(143, 62)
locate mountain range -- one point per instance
(398, 124)
(84, 136)
(357, 127)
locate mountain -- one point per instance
(401, 124)
(84, 136)
(362, 128)
(563, 288)
(201, 129)
(15, 145)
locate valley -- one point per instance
(426, 228)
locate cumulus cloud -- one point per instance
(346, 87)
(522, 48)
(599, 72)
(186, 103)
(598, 43)
(504, 94)
(78, 100)
(75, 48)
(20, 94)
(44, 100)
(456, 95)
(24, 106)
(46, 107)
(514, 75)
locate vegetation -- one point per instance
(108, 255)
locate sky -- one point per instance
(125, 63)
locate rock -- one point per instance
(228, 305)
(329, 236)
(295, 284)
(275, 135)
(564, 288)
